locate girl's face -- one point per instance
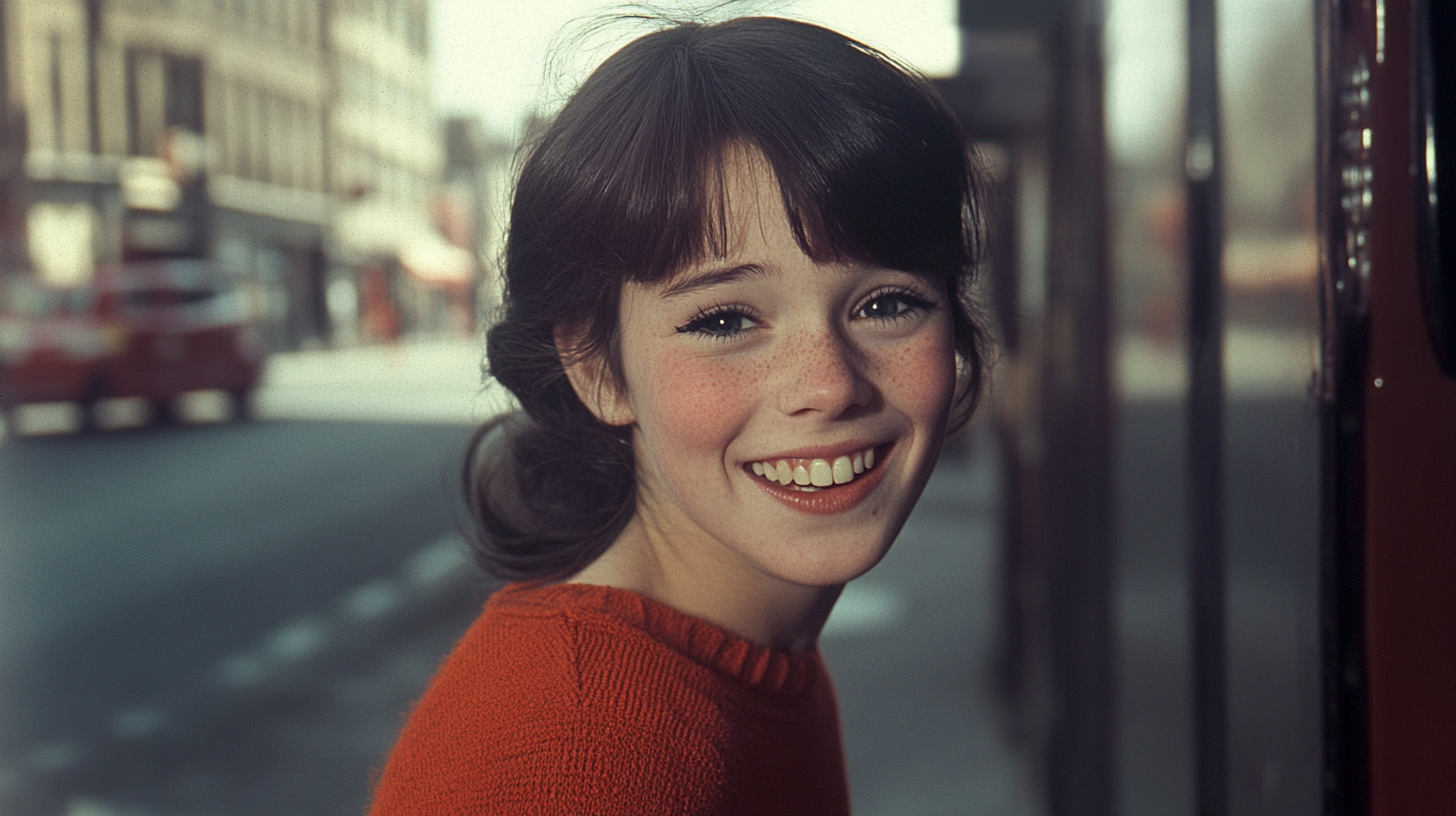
(787, 413)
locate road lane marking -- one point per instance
(433, 573)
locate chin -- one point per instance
(830, 565)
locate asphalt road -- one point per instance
(141, 571)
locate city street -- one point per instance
(230, 618)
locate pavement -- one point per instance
(1258, 363)
(432, 380)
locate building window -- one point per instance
(57, 98)
(183, 89)
(217, 110)
(231, 122)
(145, 101)
(254, 162)
(268, 137)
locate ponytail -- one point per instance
(546, 501)
(548, 487)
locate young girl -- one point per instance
(737, 321)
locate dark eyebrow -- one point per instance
(693, 283)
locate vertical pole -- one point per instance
(1077, 422)
(12, 156)
(1344, 114)
(1203, 166)
(94, 12)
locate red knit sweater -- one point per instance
(577, 699)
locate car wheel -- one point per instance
(164, 411)
(86, 411)
(242, 405)
(86, 407)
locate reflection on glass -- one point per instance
(1271, 450)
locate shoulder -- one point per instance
(552, 708)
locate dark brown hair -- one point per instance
(871, 164)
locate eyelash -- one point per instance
(702, 323)
(912, 301)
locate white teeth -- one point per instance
(819, 473)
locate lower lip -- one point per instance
(829, 500)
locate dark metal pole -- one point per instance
(1346, 173)
(1203, 165)
(94, 14)
(1077, 411)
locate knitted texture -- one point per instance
(578, 699)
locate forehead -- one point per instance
(749, 231)
(747, 202)
(745, 218)
(748, 227)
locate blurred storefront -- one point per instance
(394, 272)
(1153, 277)
(294, 143)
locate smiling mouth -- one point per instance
(812, 475)
(801, 493)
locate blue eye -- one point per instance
(720, 323)
(891, 305)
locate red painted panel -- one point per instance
(1410, 446)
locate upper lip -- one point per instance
(827, 452)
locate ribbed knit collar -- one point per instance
(750, 664)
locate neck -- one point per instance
(705, 583)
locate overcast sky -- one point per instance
(489, 56)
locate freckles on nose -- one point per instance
(823, 373)
(826, 358)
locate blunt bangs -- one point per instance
(870, 164)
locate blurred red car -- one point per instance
(152, 330)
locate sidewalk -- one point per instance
(413, 381)
(1258, 363)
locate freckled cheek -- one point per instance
(688, 406)
(920, 375)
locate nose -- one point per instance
(823, 373)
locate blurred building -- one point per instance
(386, 160)
(473, 203)
(294, 141)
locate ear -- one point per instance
(591, 378)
